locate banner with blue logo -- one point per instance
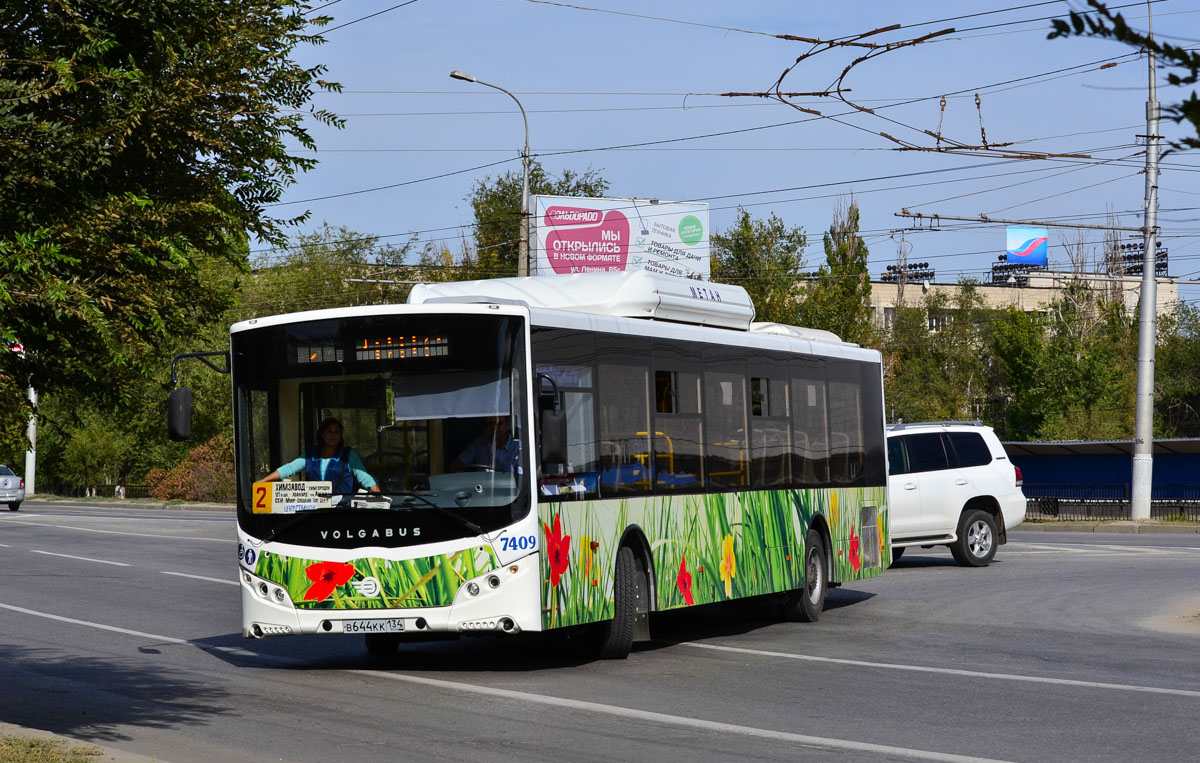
(1027, 245)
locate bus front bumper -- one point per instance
(503, 601)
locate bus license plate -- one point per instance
(390, 625)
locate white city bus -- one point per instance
(665, 452)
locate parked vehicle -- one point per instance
(950, 483)
(12, 488)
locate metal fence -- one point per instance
(101, 491)
(1108, 500)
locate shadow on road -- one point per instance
(523, 653)
(90, 699)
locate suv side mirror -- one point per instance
(179, 414)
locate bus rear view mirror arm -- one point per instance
(179, 403)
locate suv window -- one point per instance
(897, 456)
(926, 453)
(969, 448)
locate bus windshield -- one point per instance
(431, 410)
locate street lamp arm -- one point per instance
(523, 255)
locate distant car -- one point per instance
(951, 484)
(12, 488)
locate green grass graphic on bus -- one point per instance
(706, 548)
(430, 581)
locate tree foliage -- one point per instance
(839, 300)
(1102, 22)
(767, 259)
(1177, 374)
(1068, 373)
(330, 267)
(140, 142)
(497, 206)
(937, 372)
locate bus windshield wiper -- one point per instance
(423, 501)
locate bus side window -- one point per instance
(846, 440)
(725, 441)
(678, 457)
(565, 357)
(623, 416)
(809, 422)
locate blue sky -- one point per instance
(631, 90)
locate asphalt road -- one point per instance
(120, 626)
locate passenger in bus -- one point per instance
(494, 448)
(332, 460)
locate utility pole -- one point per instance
(1143, 413)
(31, 452)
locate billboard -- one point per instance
(597, 235)
(1027, 245)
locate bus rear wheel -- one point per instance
(805, 605)
(615, 637)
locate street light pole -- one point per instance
(1142, 479)
(523, 265)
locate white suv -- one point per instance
(950, 483)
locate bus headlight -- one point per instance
(473, 588)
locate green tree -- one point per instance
(1102, 22)
(330, 267)
(95, 452)
(933, 357)
(497, 206)
(766, 258)
(839, 300)
(1177, 373)
(1068, 373)
(141, 142)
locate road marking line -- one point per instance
(951, 671)
(81, 558)
(237, 651)
(118, 532)
(201, 577)
(679, 720)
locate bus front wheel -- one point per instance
(805, 605)
(616, 635)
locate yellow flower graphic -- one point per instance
(833, 507)
(728, 565)
(586, 545)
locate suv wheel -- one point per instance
(976, 544)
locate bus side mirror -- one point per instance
(554, 437)
(179, 414)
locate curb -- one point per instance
(1121, 526)
(107, 754)
(153, 505)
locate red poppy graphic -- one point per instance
(557, 548)
(855, 561)
(326, 576)
(684, 582)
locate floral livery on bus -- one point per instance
(549, 452)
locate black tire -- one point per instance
(897, 553)
(14, 505)
(382, 644)
(616, 635)
(804, 606)
(977, 539)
